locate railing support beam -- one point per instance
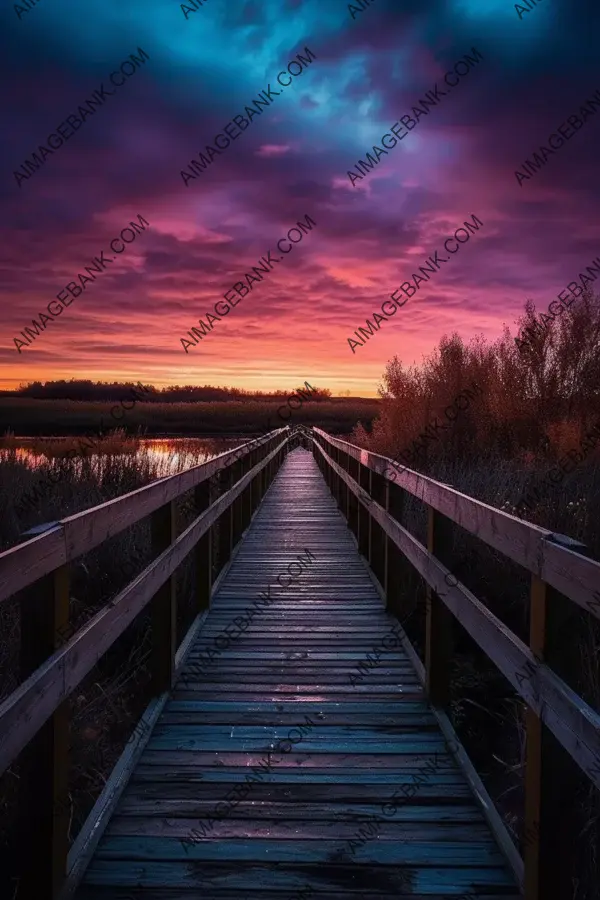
(364, 519)
(238, 470)
(225, 521)
(555, 786)
(439, 619)
(394, 504)
(44, 809)
(163, 606)
(203, 550)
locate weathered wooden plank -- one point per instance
(132, 893)
(323, 706)
(452, 881)
(410, 818)
(336, 781)
(320, 667)
(370, 741)
(259, 692)
(366, 699)
(173, 744)
(193, 728)
(282, 828)
(255, 849)
(290, 681)
(392, 724)
(308, 654)
(317, 757)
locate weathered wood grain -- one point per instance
(574, 722)
(24, 712)
(574, 575)
(362, 743)
(80, 533)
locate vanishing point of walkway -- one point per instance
(278, 772)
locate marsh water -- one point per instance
(165, 455)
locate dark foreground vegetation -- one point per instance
(534, 407)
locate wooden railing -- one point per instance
(562, 730)
(34, 724)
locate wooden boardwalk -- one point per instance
(281, 772)
(288, 748)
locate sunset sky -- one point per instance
(538, 69)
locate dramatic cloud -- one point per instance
(291, 159)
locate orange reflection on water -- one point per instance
(164, 456)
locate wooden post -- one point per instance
(395, 498)
(378, 536)
(260, 481)
(253, 488)
(256, 482)
(268, 467)
(326, 466)
(364, 518)
(203, 550)
(555, 786)
(163, 606)
(360, 514)
(337, 481)
(368, 486)
(264, 479)
(438, 639)
(225, 520)
(332, 478)
(238, 469)
(44, 809)
(348, 491)
(346, 509)
(353, 471)
(245, 505)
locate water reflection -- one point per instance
(164, 456)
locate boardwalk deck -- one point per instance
(298, 826)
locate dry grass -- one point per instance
(115, 443)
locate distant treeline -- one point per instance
(108, 391)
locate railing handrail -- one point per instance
(35, 716)
(28, 707)
(573, 721)
(535, 548)
(79, 533)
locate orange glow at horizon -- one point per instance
(269, 382)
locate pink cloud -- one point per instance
(273, 149)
